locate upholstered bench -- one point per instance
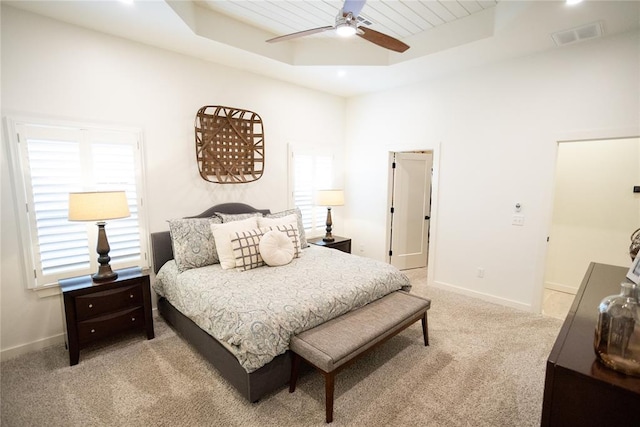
(330, 346)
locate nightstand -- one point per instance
(98, 310)
(340, 243)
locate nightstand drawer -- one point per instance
(97, 303)
(109, 324)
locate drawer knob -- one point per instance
(133, 319)
(131, 296)
(93, 330)
(90, 305)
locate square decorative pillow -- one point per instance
(192, 241)
(236, 217)
(291, 219)
(222, 234)
(298, 213)
(246, 249)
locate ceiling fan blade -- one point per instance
(300, 34)
(382, 40)
(353, 6)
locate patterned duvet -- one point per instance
(255, 312)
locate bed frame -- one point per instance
(253, 386)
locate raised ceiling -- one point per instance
(445, 36)
(399, 19)
(248, 24)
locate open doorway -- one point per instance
(410, 175)
(594, 213)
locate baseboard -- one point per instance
(58, 339)
(560, 288)
(485, 297)
(19, 350)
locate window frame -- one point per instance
(23, 202)
(320, 212)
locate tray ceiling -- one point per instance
(445, 36)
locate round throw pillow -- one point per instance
(276, 248)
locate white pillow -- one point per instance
(277, 222)
(276, 248)
(222, 235)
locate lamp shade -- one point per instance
(98, 206)
(330, 198)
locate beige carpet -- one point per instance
(485, 367)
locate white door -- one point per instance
(410, 209)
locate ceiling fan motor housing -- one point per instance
(346, 24)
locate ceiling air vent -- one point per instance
(364, 21)
(578, 34)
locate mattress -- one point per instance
(254, 313)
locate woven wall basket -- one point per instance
(229, 145)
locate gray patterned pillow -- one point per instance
(303, 238)
(236, 217)
(193, 243)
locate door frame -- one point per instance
(569, 136)
(433, 226)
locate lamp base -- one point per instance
(328, 237)
(104, 274)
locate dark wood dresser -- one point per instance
(579, 390)
(340, 243)
(98, 310)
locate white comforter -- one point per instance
(256, 312)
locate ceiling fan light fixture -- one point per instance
(346, 25)
(345, 30)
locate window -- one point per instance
(310, 173)
(51, 160)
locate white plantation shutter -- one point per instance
(310, 174)
(115, 169)
(53, 161)
(61, 245)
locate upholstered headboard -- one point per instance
(161, 248)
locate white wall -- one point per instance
(495, 130)
(57, 70)
(594, 209)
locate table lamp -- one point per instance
(329, 198)
(99, 206)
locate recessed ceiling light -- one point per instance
(572, 2)
(126, 1)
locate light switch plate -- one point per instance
(518, 220)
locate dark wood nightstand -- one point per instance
(99, 310)
(340, 243)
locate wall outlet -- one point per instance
(517, 220)
(480, 272)
(361, 249)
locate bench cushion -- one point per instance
(334, 343)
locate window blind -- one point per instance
(54, 169)
(310, 174)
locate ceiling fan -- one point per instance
(347, 25)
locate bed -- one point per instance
(241, 321)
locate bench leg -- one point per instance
(295, 368)
(425, 329)
(329, 383)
